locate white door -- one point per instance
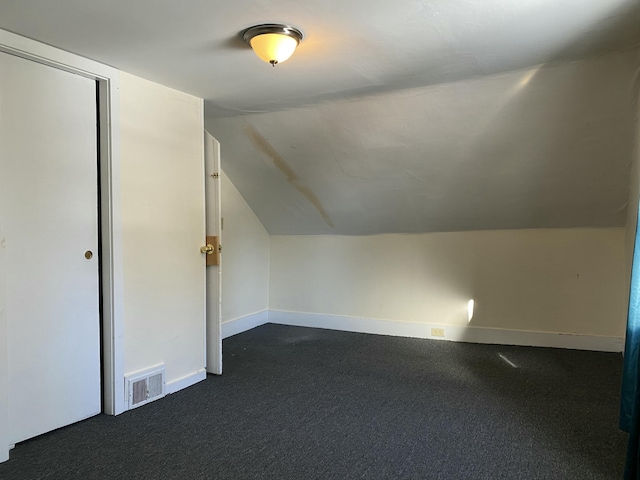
(214, 227)
(48, 208)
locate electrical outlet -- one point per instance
(437, 332)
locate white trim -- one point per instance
(112, 261)
(242, 324)
(204, 233)
(112, 280)
(54, 57)
(186, 381)
(213, 331)
(452, 332)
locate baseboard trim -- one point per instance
(186, 381)
(451, 333)
(242, 324)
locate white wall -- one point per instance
(634, 197)
(561, 280)
(245, 256)
(4, 381)
(162, 185)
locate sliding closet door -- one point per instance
(49, 213)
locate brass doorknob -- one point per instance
(208, 249)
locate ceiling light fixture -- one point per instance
(272, 42)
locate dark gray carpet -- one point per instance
(300, 403)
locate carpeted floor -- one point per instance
(300, 403)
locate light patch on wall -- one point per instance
(524, 81)
(501, 103)
(471, 305)
(262, 145)
(517, 88)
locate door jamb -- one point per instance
(110, 203)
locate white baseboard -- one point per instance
(451, 332)
(184, 382)
(242, 324)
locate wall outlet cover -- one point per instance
(437, 332)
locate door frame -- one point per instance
(213, 213)
(111, 214)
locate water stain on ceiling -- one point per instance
(262, 145)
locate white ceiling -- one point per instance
(392, 116)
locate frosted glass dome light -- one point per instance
(273, 43)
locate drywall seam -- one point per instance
(448, 332)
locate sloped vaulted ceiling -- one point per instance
(548, 146)
(392, 116)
